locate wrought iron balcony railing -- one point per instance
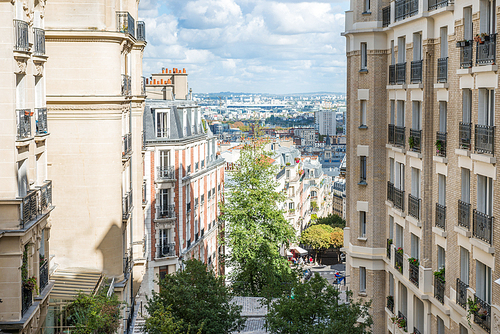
(464, 133)
(166, 211)
(435, 4)
(27, 299)
(414, 273)
(486, 50)
(399, 199)
(141, 31)
(21, 35)
(165, 173)
(439, 286)
(44, 275)
(405, 8)
(416, 331)
(126, 85)
(125, 23)
(398, 261)
(39, 41)
(461, 293)
(441, 216)
(392, 74)
(405, 322)
(390, 191)
(30, 207)
(127, 144)
(482, 226)
(483, 316)
(441, 144)
(414, 206)
(390, 304)
(399, 136)
(466, 54)
(401, 73)
(415, 140)
(45, 196)
(23, 123)
(484, 139)
(167, 250)
(464, 214)
(416, 71)
(41, 121)
(386, 16)
(127, 204)
(390, 133)
(389, 243)
(442, 70)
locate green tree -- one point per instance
(318, 237)
(162, 321)
(196, 300)
(255, 227)
(316, 308)
(93, 314)
(332, 220)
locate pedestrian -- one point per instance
(310, 259)
(301, 260)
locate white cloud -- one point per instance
(248, 45)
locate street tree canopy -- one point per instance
(193, 301)
(255, 227)
(332, 220)
(316, 308)
(322, 237)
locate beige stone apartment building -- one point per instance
(95, 102)
(25, 188)
(183, 179)
(421, 240)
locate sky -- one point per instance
(249, 46)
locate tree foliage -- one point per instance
(332, 220)
(316, 308)
(193, 300)
(322, 237)
(94, 314)
(255, 227)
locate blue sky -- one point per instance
(254, 46)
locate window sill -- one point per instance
(366, 13)
(362, 238)
(362, 183)
(363, 70)
(363, 127)
(362, 294)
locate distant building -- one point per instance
(326, 122)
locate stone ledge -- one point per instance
(442, 160)
(439, 231)
(415, 86)
(464, 71)
(465, 153)
(484, 68)
(441, 85)
(414, 154)
(396, 87)
(461, 230)
(483, 158)
(414, 221)
(482, 245)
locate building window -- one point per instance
(464, 265)
(401, 50)
(416, 116)
(364, 54)
(444, 41)
(400, 117)
(486, 110)
(483, 282)
(442, 189)
(166, 248)
(441, 256)
(162, 128)
(362, 169)
(399, 236)
(463, 330)
(362, 279)
(443, 112)
(440, 325)
(362, 224)
(484, 194)
(415, 182)
(362, 111)
(466, 105)
(415, 246)
(290, 206)
(366, 9)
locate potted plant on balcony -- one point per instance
(399, 250)
(439, 146)
(400, 322)
(485, 37)
(30, 284)
(462, 43)
(478, 39)
(474, 308)
(439, 274)
(411, 142)
(390, 300)
(413, 261)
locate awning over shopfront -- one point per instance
(299, 250)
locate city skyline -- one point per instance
(248, 45)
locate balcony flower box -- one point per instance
(413, 261)
(463, 43)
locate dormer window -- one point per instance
(162, 123)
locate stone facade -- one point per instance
(430, 151)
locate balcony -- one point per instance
(399, 136)
(399, 199)
(39, 41)
(405, 8)
(486, 50)
(127, 205)
(45, 196)
(439, 286)
(386, 16)
(141, 31)
(23, 123)
(390, 133)
(44, 275)
(167, 250)
(280, 174)
(389, 243)
(415, 140)
(392, 74)
(484, 136)
(441, 144)
(126, 85)
(21, 35)
(41, 121)
(416, 331)
(27, 299)
(398, 260)
(482, 226)
(401, 73)
(125, 23)
(442, 70)
(483, 316)
(461, 293)
(414, 206)
(29, 207)
(165, 173)
(188, 207)
(466, 54)
(403, 317)
(464, 214)
(464, 134)
(390, 303)
(126, 144)
(390, 191)
(440, 216)
(416, 72)
(435, 4)
(166, 211)
(414, 273)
